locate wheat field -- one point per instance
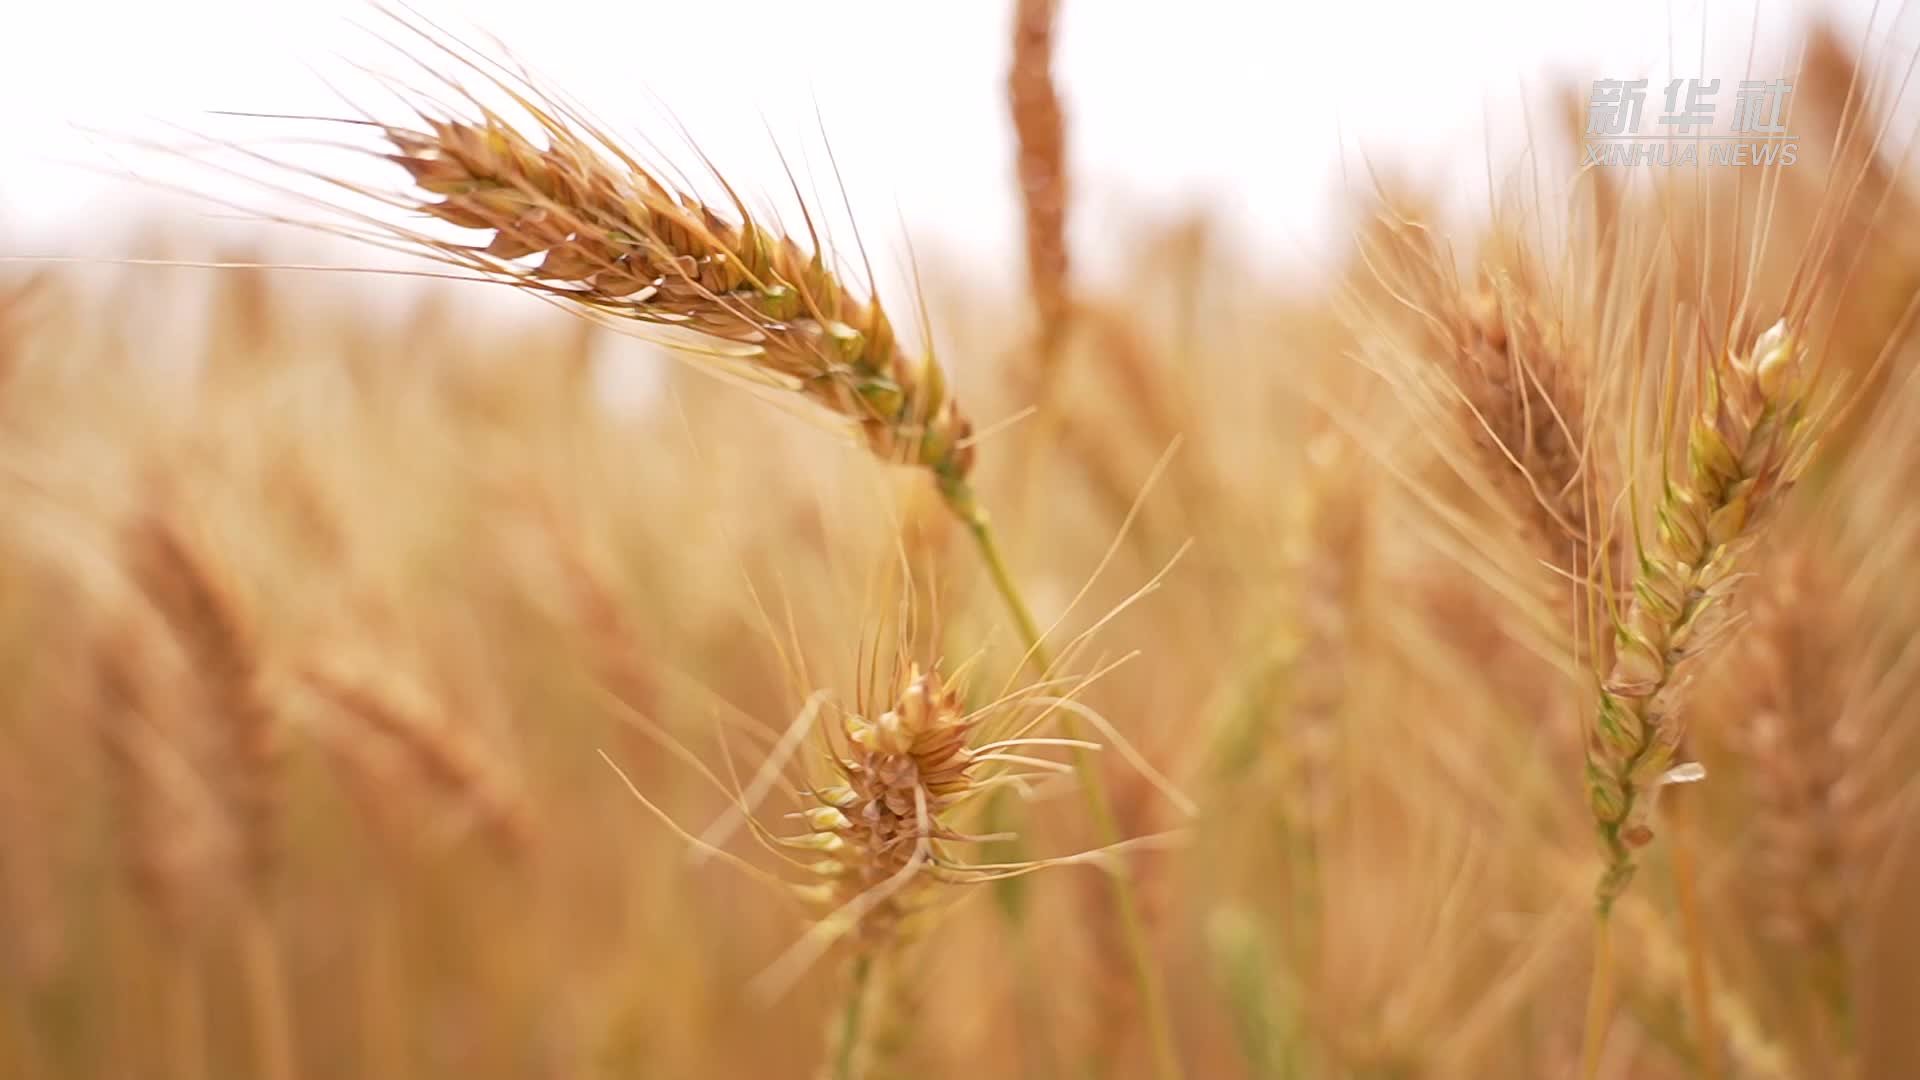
(1485, 660)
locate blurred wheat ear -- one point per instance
(216, 633)
(1040, 133)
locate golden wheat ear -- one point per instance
(878, 843)
(882, 828)
(543, 199)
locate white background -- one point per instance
(1246, 106)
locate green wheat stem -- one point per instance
(1599, 994)
(850, 1018)
(960, 498)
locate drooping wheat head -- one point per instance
(567, 212)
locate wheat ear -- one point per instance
(881, 834)
(195, 597)
(1495, 365)
(613, 238)
(1748, 442)
(1040, 131)
(171, 824)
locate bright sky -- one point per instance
(1246, 104)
